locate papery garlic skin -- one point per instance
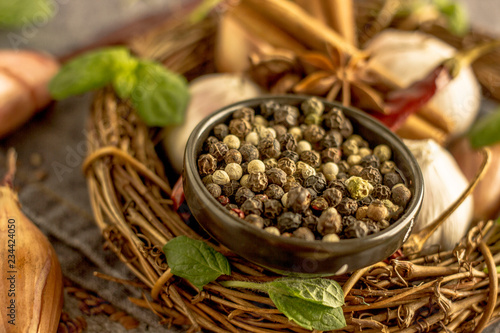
(208, 94)
(410, 56)
(444, 182)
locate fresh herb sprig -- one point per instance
(19, 13)
(159, 95)
(486, 131)
(311, 303)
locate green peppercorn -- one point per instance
(358, 187)
(400, 195)
(312, 119)
(312, 106)
(383, 152)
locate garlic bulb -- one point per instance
(208, 94)
(444, 182)
(409, 56)
(31, 287)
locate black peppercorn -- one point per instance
(276, 176)
(214, 190)
(267, 109)
(262, 197)
(310, 221)
(314, 133)
(310, 157)
(231, 206)
(269, 147)
(370, 160)
(366, 201)
(347, 206)
(346, 128)
(391, 179)
(371, 226)
(316, 182)
(342, 176)
(400, 195)
(299, 199)
(218, 150)
(231, 188)
(371, 174)
(331, 155)
(245, 113)
(252, 206)
(356, 229)
(287, 142)
(208, 142)
(291, 155)
(343, 166)
(381, 192)
(332, 139)
(288, 221)
(312, 105)
(221, 131)
(274, 191)
(243, 194)
(257, 182)
(287, 165)
(207, 164)
(280, 131)
(333, 196)
(355, 170)
(249, 152)
(330, 222)
(255, 220)
(290, 185)
(313, 193)
(334, 118)
(240, 128)
(272, 209)
(286, 115)
(233, 156)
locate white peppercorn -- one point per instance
(383, 152)
(302, 146)
(330, 170)
(220, 177)
(252, 138)
(332, 238)
(364, 152)
(330, 222)
(284, 199)
(232, 141)
(256, 166)
(353, 160)
(303, 233)
(259, 120)
(272, 231)
(296, 132)
(244, 180)
(234, 171)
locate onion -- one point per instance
(208, 94)
(444, 182)
(487, 192)
(409, 56)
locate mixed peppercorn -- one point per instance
(302, 172)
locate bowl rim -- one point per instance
(341, 246)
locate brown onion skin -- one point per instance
(24, 76)
(487, 193)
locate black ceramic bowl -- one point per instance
(291, 255)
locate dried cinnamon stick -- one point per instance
(417, 128)
(340, 16)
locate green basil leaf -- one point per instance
(18, 13)
(125, 80)
(202, 10)
(90, 71)
(486, 131)
(160, 95)
(308, 314)
(321, 291)
(455, 15)
(195, 260)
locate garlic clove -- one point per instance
(409, 56)
(444, 182)
(208, 94)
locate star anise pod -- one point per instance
(333, 73)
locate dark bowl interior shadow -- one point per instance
(290, 255)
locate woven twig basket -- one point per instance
(129, 194)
